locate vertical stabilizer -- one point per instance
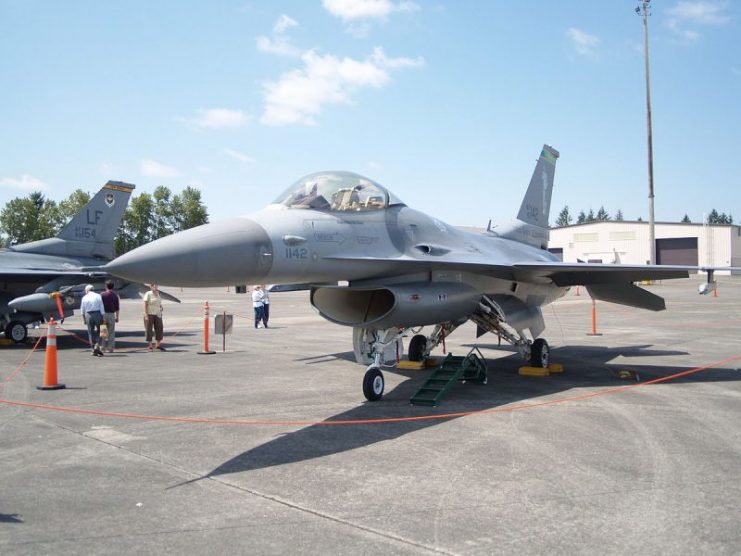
(536, 205)
(91, 231)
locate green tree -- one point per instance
(581, 218)
(137, 224)
(162, 214)
(192, 211)
(619, 216)
(30, 218)
(151, 217)
(713, 217)
(602, 214)
(590, 216)
(564, 218)
(686, 219)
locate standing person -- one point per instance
(257, 304)
(265, 305)
(92, 313)
(153, 317)
(111, 306)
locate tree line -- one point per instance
(564, 217)
(147, 217)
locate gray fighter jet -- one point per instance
(33, 274)
(382, 268)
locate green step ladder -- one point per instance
(444, 376)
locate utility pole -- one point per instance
(644, 10)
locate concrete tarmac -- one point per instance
(241, 452)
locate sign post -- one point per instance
(223, 324)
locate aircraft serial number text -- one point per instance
(82, 232)
(297, 253)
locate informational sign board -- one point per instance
(223, 323)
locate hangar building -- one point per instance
(627, 242)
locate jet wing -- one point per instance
(608, 282)
(11, 272)
(561, 274)
(585, 274)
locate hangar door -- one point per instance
(677, 250)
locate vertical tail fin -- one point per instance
(536, 205)
(91, 231)
(531, 225)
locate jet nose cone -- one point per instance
(236, 251)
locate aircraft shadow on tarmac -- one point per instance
(72, 338)
(585, 366)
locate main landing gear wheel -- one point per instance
(16, 331)
(417, 347)
(540, 354)
(373, 384)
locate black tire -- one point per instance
(540, 354)
(417, 347)
(16, 331)
(373, 384)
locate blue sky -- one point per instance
(446, 103)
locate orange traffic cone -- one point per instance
(50, 361)
(205, 350)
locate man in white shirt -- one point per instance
(92, 313)
(257, 298)
(265, 305)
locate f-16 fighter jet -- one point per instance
(33, 274)
(374, 264)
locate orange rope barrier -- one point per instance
(254, 422)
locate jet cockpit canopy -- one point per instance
(337, 192)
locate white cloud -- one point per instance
(155, 169)
(701, 13)
(239, 156)
(284, 22)
(278, 45)
(686, 14)
(25, 182)
(584, 43)
(218, 118)
(351, 10)
(299, 95)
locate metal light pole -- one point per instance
(643, 10)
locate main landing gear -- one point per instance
(378, 348)
(16, 331)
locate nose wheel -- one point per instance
(373, 384)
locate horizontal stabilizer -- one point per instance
(627, 294)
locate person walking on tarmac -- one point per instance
(110, 318)
(92, 310)
(265, 305)
(153, 317)
(257, 304)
